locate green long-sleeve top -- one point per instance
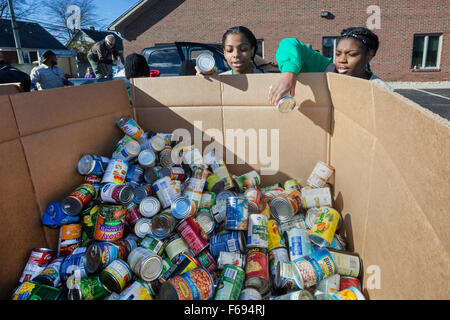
(294, 56)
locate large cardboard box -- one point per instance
(391, 159)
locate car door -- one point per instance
(165, 59)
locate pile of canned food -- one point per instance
(159, 221)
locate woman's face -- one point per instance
(238, 53)
(352, 58)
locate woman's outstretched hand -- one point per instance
(285, 84)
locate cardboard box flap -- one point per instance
(253, 89)
(10, 88)
(42, 110)
(7, 120)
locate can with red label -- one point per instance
(257, 270)
(174, 173)
(116, 193)
(91, 179)
(69, 238)
(253, 196)
(74, 202)
(347, 282)
(110, 222)
(192, 233)
(39, 259)
(133, 213)
(207, 261)
(116, 171)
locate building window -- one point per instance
(329, 47)
(260, 48)
(426, 51)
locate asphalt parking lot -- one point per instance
(436, 100)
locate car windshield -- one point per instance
(166, 60)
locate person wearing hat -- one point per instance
(48, 75)
(102, 56)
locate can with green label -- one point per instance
(230, 283)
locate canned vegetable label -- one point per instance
(230, 283)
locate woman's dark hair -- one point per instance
(136, 66)
(365, 36)
(247, 34)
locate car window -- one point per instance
(167, 61)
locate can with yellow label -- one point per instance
(324, 228)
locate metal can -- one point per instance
(316, 267)
(196, 184)
(256, 270)
(237, 214)
(151, 243)
(69, 238)
(182, 207)
(288, 277)
(338, 243)
(185, 263)
(152, 174)
(141, 192)
(116, 171)
(248, 180)
(147, 158)
(126, 149)
(165, 157)
(174, 173)
(311, 215)
(166, 191)
(250, 294)
(347, 282)
(257, 231)
(30, 290)
(219, 212)
(351, 293)
(135, 175)
(206, 222)
(38, 260)
(253, 196)
(157, 143)
(320, 175)
(100, 254)
(196, 284)
(320, 197)
(130, 127)
(275, 238)
(149, 207)
(324, 228)
(54, 216)
(228, 241)
(207, 261)
(116, 193)
(133, 214)
(214, 184)
(89, 220)
(220, 170)
(175, 247)
(348, 263)
(276, 256)
(224, 195)
(265, 210)
(195, 237)
(291, 184)
(138, 290)
(208, 200)
(110, 222)
(145, 263)
(206, 63)
(142, 227)
(162, 225)
(74, 266)
(286, 103)
(296, 295)
(90, 164)
(50, 276)
(285, 205)
(89, 288)
(299, 243)
(272, 194)
(116, 276)
(327, 287)
(232, 258)
(74, 202)
(230, 283)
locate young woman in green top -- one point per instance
(355, 49)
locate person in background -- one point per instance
(355, 48)
(136, 66)
(9, 74)
(48, 75)
(239, 48)
(89, 73)
(102, 56)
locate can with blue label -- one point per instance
(228, 241)
(91, 164)
(135, 175)
(74, 265)
(237, 214)
(54, 217)
(299, 243)
(127, 149)
(316, 267)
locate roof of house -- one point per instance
(32, 36)
(131, 14)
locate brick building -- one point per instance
(401, 25)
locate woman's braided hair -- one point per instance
(363, 35)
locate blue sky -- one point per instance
(110, 10)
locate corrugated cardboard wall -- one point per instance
(45, 135)
(392, 174)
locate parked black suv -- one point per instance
(169, 57)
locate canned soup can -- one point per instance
(196, 284)
(38, 260)
(110, 222)
(194, 236)
(256, 270)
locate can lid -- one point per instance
(123, 120)
(181, 207)
(157, 143)
(151, 268)
(205, 62)
(71, 206)
(142, 227)
(86, 164)
(126, 195)
(146, 158)
(133, 148)
(149, 206)
(206, 222)
(281, 209)
(93, 256)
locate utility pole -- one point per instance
(15, 32)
